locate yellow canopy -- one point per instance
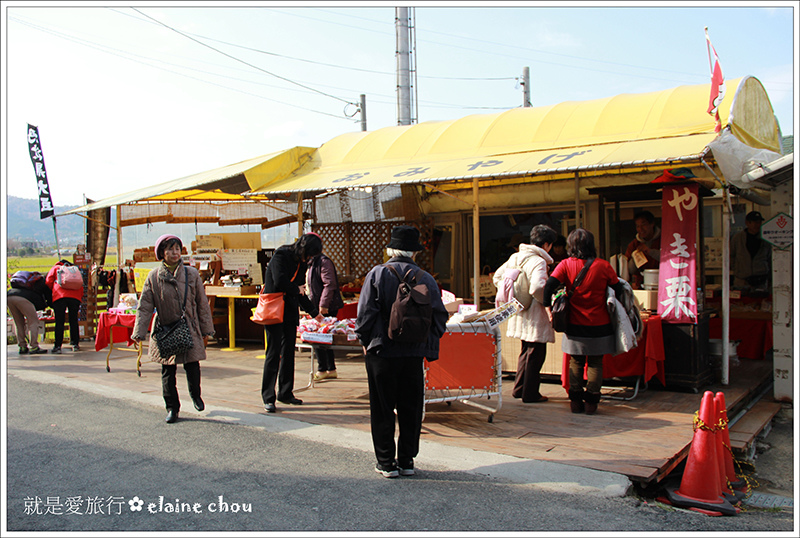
(224, 184)
(616, 134)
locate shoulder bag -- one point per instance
(560, 306)
(269, 310)
(176, 337)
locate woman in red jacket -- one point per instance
(589, 334)
(65, 299)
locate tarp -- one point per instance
(618, 134)
(223, 184)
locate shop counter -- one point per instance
(754, 334)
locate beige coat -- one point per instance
(533, 323)
(163, 293)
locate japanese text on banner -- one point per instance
(42, 186)
(677, 291)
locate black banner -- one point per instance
(37, 158)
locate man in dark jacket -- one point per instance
(23, 304)
(395, 370)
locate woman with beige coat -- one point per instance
(163, 293)
(532, 326)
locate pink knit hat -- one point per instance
(163, 239)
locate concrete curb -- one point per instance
(540, 475)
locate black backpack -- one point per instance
(411, 314)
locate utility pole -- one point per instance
(526, 86)
(404, 66)
(363, 112)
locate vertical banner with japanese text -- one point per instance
(677, 289)
(43, 187)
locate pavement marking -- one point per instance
(540, 475)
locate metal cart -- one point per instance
(469, 367)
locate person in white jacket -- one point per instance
(532, 326)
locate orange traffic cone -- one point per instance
(724, 488)
(700, 484)
(736, 484)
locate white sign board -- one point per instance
(779, 231)
(234, 258)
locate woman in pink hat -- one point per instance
(171, 290)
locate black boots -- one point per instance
(198, 403)
(576, 404)
(591, 399)
(172, 416)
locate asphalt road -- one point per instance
(79, 461)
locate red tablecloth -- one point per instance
(646, 359)
(755, 335)
(121, 328)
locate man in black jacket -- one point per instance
(395, 369)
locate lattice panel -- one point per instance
(357, 247)
(368, 240)
(335, 246)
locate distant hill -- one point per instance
(23, 223)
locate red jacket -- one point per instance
(58, 291)
(588, 302)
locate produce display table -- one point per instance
(116, 328)
(335, 342)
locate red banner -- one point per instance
(677, 288)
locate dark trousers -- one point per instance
(279, 362)
(594, 373)
(169, 385)
(395, 383)
(325, 362)
(59, 308)
(527, 381)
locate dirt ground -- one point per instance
(774, 460)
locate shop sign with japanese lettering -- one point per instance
(677, 288)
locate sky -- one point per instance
(127, 95)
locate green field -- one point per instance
(41, 263)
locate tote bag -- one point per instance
(269, 310)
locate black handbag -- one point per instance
(177, 336)
(560, 304)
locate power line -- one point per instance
(242, 61)
(132, 57)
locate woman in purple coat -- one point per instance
(323, 290)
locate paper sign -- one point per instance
(317, 338)
(448, 297)
(467, 308)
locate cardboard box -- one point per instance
(231, 291)
(209, 242)
(246, 240)
(647, 299)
